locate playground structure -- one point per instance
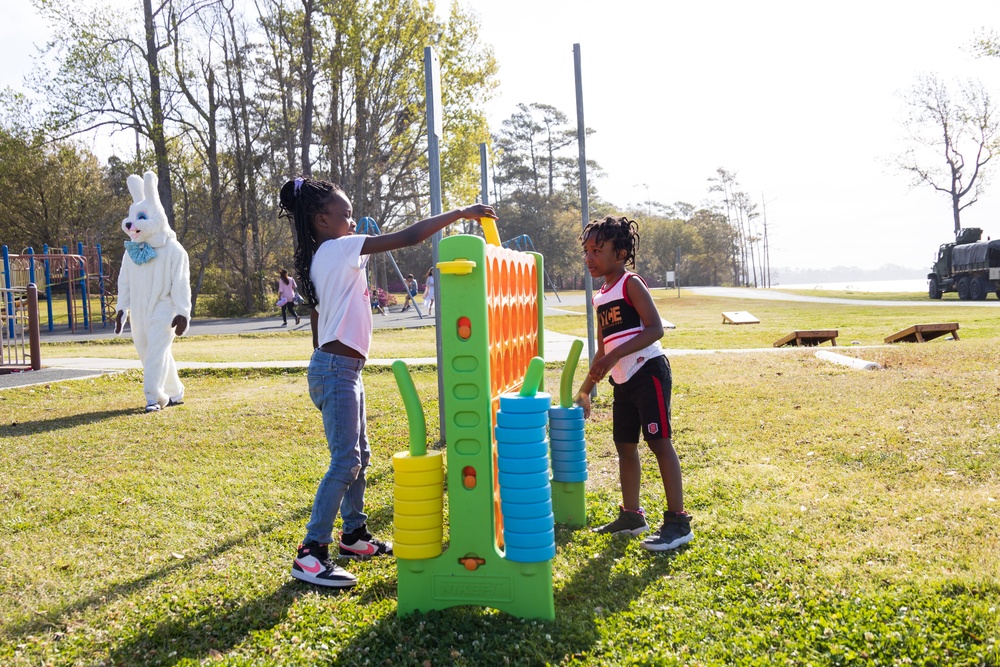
(55, 271)
(18, 318)
(367, 225)
(502, 504)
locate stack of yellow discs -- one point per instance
(418, 505)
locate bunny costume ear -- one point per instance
(135, 188)
(149, 185)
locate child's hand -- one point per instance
(583, 400)
(477, 211)
(600, 367)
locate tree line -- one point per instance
(225, 102)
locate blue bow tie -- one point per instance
(140, 252)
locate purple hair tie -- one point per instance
(298, 185)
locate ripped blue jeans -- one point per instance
(336, 388)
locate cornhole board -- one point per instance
(809, 338)
(739, 317)
(920, 333)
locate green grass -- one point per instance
(841, 517)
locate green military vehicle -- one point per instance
(968, 266)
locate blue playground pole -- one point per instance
(48, 285)
(10, 295)
(100, 284)
(69, 296)
(83, 285)
(31, 264)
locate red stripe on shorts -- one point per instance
(663, 406)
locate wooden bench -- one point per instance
(920, 333)
(809, 338)
(739, 317)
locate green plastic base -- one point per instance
(569, 503)
(523, 590)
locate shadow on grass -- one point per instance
(17, 428)
(478, 635)
(54, 618)
(196, 636)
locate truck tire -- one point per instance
(963, 288)
(933, 289)
(978, 288)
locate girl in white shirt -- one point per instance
(330, 261)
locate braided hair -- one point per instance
(300, 200)
(621, 232)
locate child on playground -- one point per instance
(429, 291)
(411, 291)
(330, 261)
(629, 348)
(286, 296)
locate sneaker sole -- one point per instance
(627, 531)
(326, 583)
(667, 546)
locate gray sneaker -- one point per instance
(632, 522)
(675, 531)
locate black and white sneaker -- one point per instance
(359, 544)
(152, 407)
(312, 565)
(631, 522)
(675, 531)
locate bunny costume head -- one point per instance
(146, 223)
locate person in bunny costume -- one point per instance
(154, 292)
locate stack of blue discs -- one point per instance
(569, 448)
(523, 472)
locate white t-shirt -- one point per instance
(338, 275)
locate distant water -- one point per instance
(908, 285)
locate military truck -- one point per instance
(968, 266)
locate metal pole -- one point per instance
(69, 290)
(100, 285)
(581, 139)
(432, 83)
(7, 285)
(484, 173)
(48, 286)
(83, 286)
(34, 334)
(677, 272)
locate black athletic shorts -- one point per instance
(643, 403)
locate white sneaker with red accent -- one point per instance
(312, 565)
(359, 544)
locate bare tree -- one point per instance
(951, 140)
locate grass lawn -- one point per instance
(840, 516)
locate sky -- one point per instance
(802, 100)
